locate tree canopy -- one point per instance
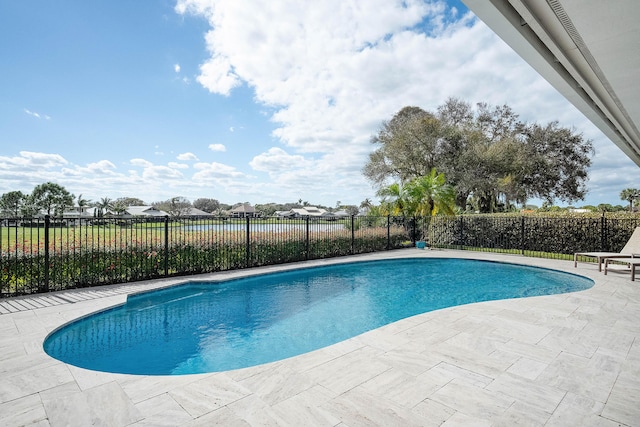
(490, 157)
(427, 195)
(175, 206)
(630, 195)
(51, 198)
(11, 203)
(207, 205)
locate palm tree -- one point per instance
(119, 208)
(104, 205)
(430, 195)
(366, 204)
(630, 195)
(82, 203)
(425, 196)
(394, 200)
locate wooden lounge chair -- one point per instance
(629, 262)
(630, 250)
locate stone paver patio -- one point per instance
(560, 360)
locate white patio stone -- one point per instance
(561, 360)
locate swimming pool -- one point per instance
(216, 326)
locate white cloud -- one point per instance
(140, 177)
(93, 170)
(326, 74)
(31, 161)
(332, 71)
(140, 162)
(161, 174)
(214, 170)
(187, 156)
(31, 113)
(218, 76)
(175, 165)
(323, 64)
(102, 166)
(276, 161)
(37, 115)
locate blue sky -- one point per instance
(246, 101)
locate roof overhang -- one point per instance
(589, 50)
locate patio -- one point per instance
(559, 360)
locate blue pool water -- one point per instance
(218, 326)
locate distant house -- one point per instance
(341, 213)
(243, 211)
(79, 212)
(196, 212)
(143, 211)
(78, 215)
(284, 214)
(309, 211)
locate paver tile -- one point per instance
(571, 359)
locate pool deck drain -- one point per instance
(558, 360)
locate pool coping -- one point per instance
(568, 359)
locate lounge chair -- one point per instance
(630, 250)
(629, 262)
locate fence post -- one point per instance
(461, 232)
(306, 246)
(353, 234)
(522, 235)
(414, 230)
(47, 223)
(247, 251)
(603, 224)
(388, 232)
(166, 245)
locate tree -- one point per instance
(11, 203)
(104, 206)
(130, 201)
(630, 195)
(119, 207)
(175, 206)
(268, 209)
(488, 155)
(394, 200)
(352, 210)
(366, 204)
(408, 146)
(207, 205)
(83, 203)
(51, 198)
(606, 207)
(430, 195)
(557, 163)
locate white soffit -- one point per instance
(589, 50)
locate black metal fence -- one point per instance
(46, 254)
(535, 236)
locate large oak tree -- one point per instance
(487, 154)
